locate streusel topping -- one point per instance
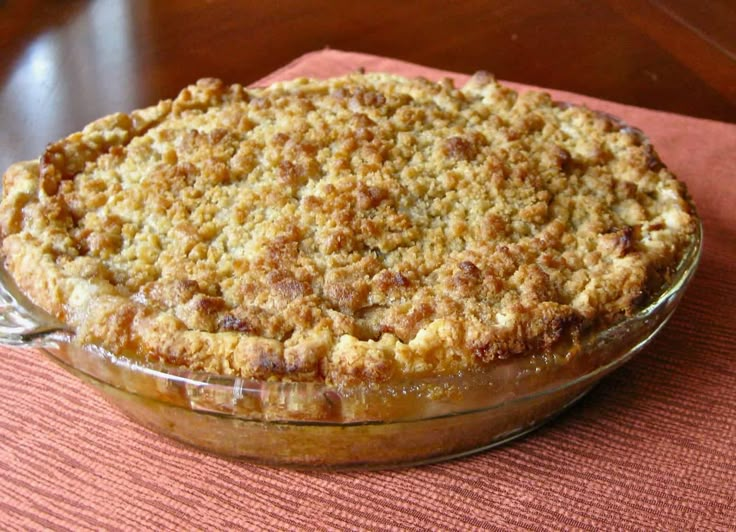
(363, 228)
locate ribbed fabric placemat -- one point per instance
(652, 447)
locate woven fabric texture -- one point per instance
(652, 447)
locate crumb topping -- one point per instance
(363, 228)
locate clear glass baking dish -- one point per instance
(313, 425)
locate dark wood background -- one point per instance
(64, 63)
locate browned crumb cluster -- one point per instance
(363, 228)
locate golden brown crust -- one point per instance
(365, 228)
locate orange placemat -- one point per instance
(652, 447)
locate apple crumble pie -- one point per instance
(367, 228)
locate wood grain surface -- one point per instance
(66, 63)
(652, 448)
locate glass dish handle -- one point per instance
(21, 322)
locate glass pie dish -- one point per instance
(313, 425)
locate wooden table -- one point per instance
(650, 448)
(65, 63)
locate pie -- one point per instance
(361, 229)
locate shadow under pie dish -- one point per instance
(360, 271)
